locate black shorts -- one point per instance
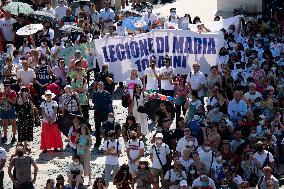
(1, 179)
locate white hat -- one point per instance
(183, 183)
(269, 88)
(48, 92)
(159, 135)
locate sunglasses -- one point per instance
(48, 94)
(186, 131)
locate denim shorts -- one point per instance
(10, 114)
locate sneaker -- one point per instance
(13, 140)
(4, 139)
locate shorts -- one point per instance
(157, 174)
(10, 114)
(1, 179)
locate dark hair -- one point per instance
(16, 52)
(95, 185)
(195, 19)
(180, 119)
(130, 117)
(222, 92)
(76, 157)
(194, 93)
(212, 67)
(135, 91)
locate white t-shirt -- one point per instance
(184, 144)
(50, 10)
(217, 168)
(60, 11)
(196, 80)
(206, 158)
(163, 151)
(134, 148)
(252, 96)
(7, 28)
(261, 157)
(186, 163)
(26, 76)
(130, 83)
(115, 146)
(73, 167)
(3, 155)
(48, 109)
(166, 84)
(152, 81)
(172, 176)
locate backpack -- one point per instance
(125, 99)
(195, 127)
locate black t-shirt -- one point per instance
(19, 40)
(107, 126)
(168, 138)
(161, 116)
(178, 134)
(101, 76)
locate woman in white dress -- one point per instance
(139, 99)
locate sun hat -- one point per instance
(48, 92)
(159, 135)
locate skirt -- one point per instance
(50, 137)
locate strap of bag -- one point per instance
(73, 97)
(158, 155)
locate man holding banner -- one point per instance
(166, 73)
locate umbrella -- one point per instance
(66, 122)
(153, 106)
(18, 7)
(70, 28)
(29, 29)
(43, 15)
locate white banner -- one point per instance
(124, 53)
(214, 26)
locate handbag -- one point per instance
(140, 109)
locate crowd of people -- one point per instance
(228, 130)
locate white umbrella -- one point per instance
(29, 29)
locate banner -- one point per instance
(87, 50)
(214, 26)
(124, 53)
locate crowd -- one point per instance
(229, 125)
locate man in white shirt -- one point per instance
(166, 77)
(186, 142)
(48, 8)
(263, 157)
(206, 155)
(112, 150)
(6, 28)
(134, 151)
(106, 17)
(3, 157)
(60, 10)
(252, 94)
(48, 33)
(158, 155)
(26, 75)
(174, 176)
(196, 80)
(152, 75)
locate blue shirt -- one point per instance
(235, 107)
(107, 14)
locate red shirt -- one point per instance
(10, 95)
